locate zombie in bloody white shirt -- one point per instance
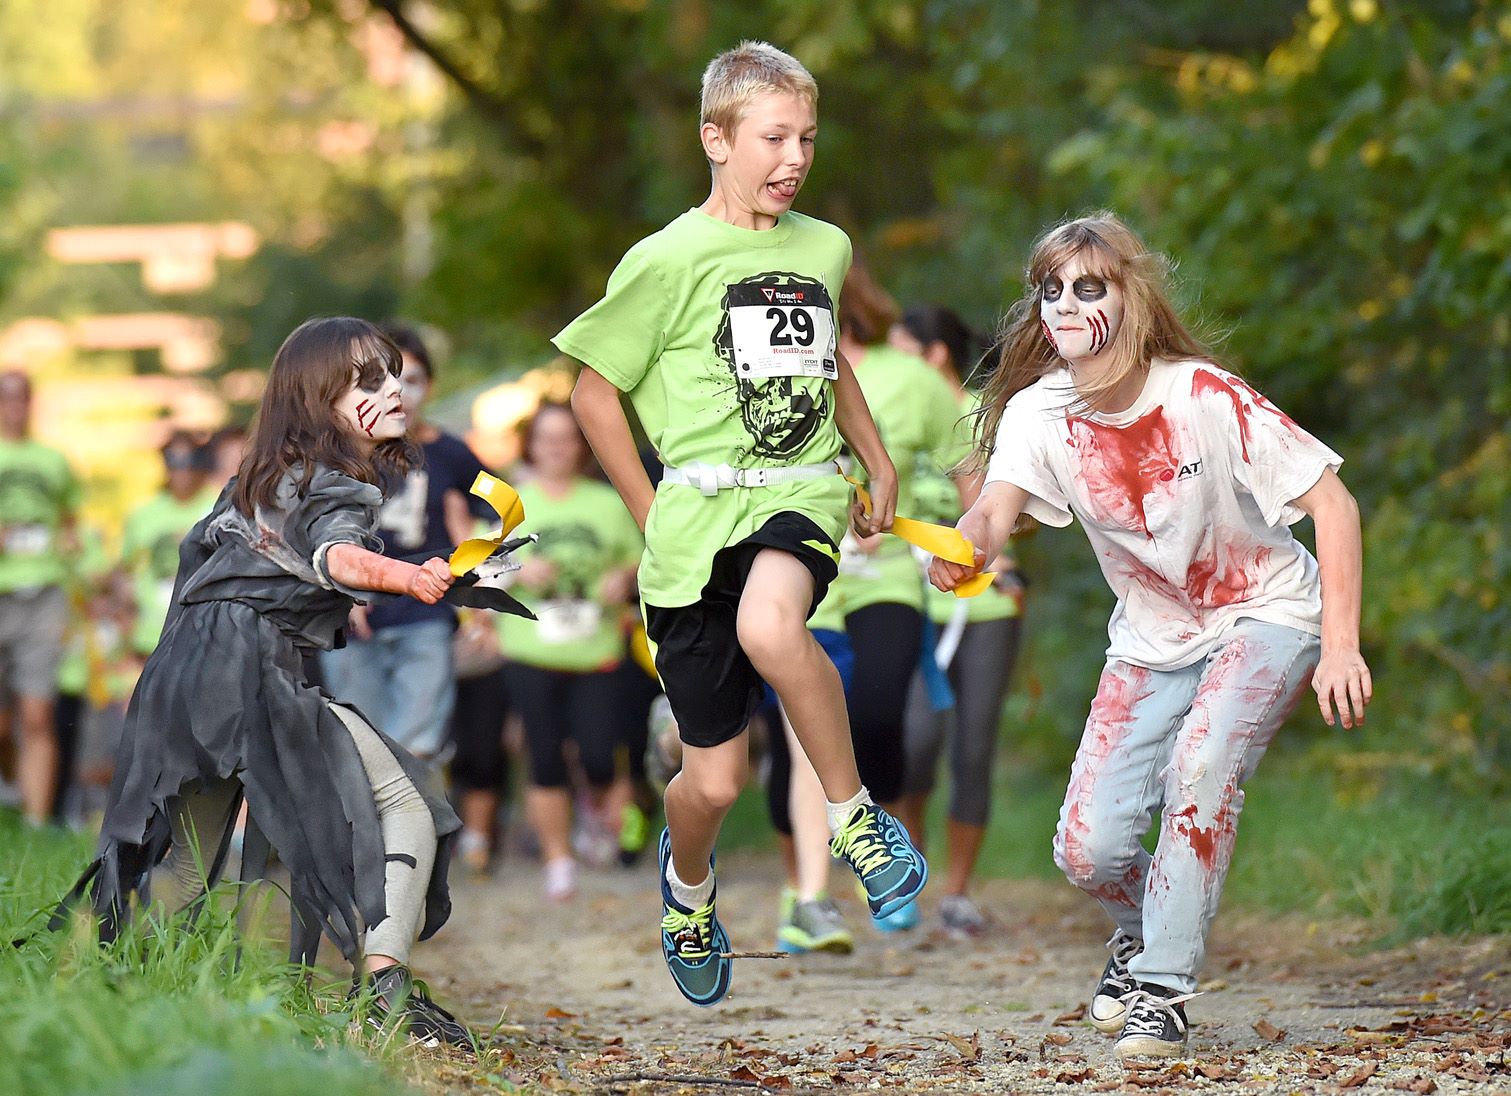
(1104, 407)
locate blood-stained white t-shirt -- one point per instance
(1186, 497)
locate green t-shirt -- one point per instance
(938, 501)
(149, 552)
(38, 491)
(723, 337)
(915, 411)
(585, 535)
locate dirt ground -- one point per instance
(1288, 1006)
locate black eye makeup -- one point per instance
(372, 372)
(1088, 287)
(1051, 288)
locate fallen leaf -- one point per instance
(1267, 1030)
(1075, 1076)
(1058, 1038)
(554, 1013)
(1359, 1076)
(1074, 1016)
(744, 1073)
(1215, 1071)
(1418, 1084)
(970, 1049)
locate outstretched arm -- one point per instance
(856, 426)
(1342, 678)
(354, 566)
(987, 524)
(596, 404)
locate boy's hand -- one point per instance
(946, 575)
(430, 581)
(882, 486)
(1342, 679)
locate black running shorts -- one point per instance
(711, 684)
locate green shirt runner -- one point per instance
(585, 534)
(149, 552)
(38, 491)
(693, 315)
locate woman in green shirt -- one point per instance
(978, 642)
(579, 579)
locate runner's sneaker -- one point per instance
(815, 925)
(877, 848)
(961, 916)
(1155, 1025)
(392, 999)
(1107, 1005)
(560, 879)
(634, 834)
(692, 941)
(904, 918)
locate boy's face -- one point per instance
(1080, 309)
(764, 162)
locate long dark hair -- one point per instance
(296, 425)
(933, 323)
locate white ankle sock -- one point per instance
(839, 813)
(693, 897)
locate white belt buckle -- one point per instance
(753, 477)
(706, 478)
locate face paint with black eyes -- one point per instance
(372, 407)
(1079, 319)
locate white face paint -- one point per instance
(414, 387)
(372, 409)
(1080, 311)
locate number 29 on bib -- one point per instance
(781, 331)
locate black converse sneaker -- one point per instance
(1155, 1025)
(392, 998)
(1107, 1007)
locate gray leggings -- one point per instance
(409, 834)
(979, 675)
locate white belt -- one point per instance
(710, 479)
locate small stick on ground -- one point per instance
(752, 955)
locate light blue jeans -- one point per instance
(402, 679)
(1181, 741)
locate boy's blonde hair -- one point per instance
(737, 76)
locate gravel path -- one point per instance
(587, 1005)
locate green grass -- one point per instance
(163, 1011)
(1414, 857)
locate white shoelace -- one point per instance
(1124, 948)
(1151, 1020)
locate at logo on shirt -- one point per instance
(1188, 470)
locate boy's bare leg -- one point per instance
(773, 630)
(698, 798)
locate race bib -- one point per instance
(566, 620)
(27, 540)
(780, 331)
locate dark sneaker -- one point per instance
(877, 848)
(1155, 1024)
(1107, 1007)
(692, 941)
(815, 925)
(393, 1000)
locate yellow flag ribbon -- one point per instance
(943, 541)
(510, 510)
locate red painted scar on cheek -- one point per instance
(1099, 326)
(1050, 335)
(367, 416)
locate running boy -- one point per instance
(720, 328)
(1186, 480)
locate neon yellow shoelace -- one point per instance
(679, 924)
(858, 842)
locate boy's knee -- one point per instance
(717, 790)
(770, 632)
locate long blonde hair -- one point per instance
(1150, 328)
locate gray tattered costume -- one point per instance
(226, 695)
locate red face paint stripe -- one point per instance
(1050, 335)
(364, 420)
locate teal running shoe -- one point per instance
(877, 848)
(902, 919)
(692, 941)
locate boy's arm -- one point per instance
(1342, 677)
(987, 525)
(856, 426)
(600, 414)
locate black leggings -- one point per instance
(556, 705)
(887, 639)
(481, 763)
